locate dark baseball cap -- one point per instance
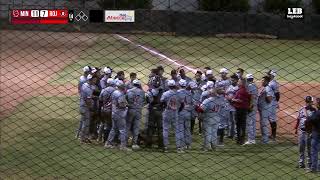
(309, 99)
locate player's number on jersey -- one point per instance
(44, 13)
(216, 108)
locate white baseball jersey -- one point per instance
(265, 92)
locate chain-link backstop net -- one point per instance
(185, 89)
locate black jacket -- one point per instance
(314, 120)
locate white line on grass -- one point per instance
(164, 57)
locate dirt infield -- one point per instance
(29, 59)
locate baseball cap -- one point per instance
(89, 77)
(272, 72)
(183, 82)
(107, 70)
(136, 81)
(93, 70)
(171, 82)
(192, 84)
(249, 76)
(309, 99)
(209, 72)
(224, 70)
(119, 83)
(86, 69)
(210, 84)
(110, 81)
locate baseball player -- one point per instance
(210, 77)
(274, 104)
(196, 98)
(185, 114)
(154, 119)
(136, 99)
(83, 79)
(172, 104)
(229, 94)
(120, 76)
(95, 119)
(106, 103)
(223, 84)
(211, 108)
(240, 73)
(252, 114)
(318, 103)
(314, 121)
(129, 84)
(304, 138)
(86, 107)
(182, 75)
(107, 74)
(174, 76)
(264, 108)
(119, 113)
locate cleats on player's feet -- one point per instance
(135, 147)
(180, 150)
(165, 150)
(109, 146)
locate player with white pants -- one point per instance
(83, 79)
(136, 99)
(264, 108)
(172, 103)
(211, 108)
(105, 101)
(223, 83)
(273, 84)
(252, 115)
(119, 113)
(186, 113)
(304, 134)
(229, 94)
(86, 107)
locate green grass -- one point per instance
(38, 142)
(294, 60)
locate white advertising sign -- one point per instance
(118, 16)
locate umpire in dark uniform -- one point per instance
(154, 124)
(314, 122)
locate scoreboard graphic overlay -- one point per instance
(64, 16)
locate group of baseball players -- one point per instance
(308, 130)
(111, 108)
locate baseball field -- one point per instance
(39, 104)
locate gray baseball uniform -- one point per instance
(304, 138)
(86, 105)
(230, 92)
(252, 116)
(119, 113)
(136, 99)
(264, 110)
(185, 115)
(273, 84)
(212, 108)
(170, 117)
(106, 99)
